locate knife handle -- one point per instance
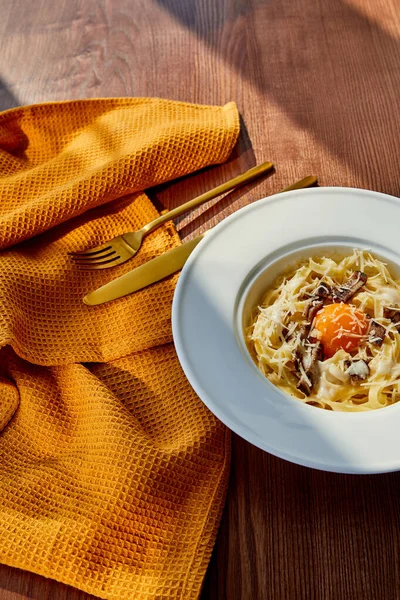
(210, 195)
(303, 183)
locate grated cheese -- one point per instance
(282, 310)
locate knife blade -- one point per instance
(150, 272)
(160, 267)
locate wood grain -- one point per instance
(292, 532)
(317, 84)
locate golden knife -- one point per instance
(160, 267)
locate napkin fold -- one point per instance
(112, 472)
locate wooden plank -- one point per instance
(317, 85)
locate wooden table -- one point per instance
(318, 87)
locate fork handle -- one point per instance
(210, 195)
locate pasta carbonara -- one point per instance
(328, 333)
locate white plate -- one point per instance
(225, 274)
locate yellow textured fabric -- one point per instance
(112, 472)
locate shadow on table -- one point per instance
(22, 584)
(242, 158)
(219, 209)
(176, 192)
(332, 69)
(7, 98)
(292, 532)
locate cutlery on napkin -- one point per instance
(160, 267)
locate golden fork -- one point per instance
(123, 247)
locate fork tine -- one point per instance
(95, 258)
(92, 251)
(90, 266)
(99, 262)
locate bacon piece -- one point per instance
(313, 306)
(344, 292)
(307, 366)
(393, 315)
(376, 334)
(316, 302)
(358, 370)
(323, 291)
(304, 330)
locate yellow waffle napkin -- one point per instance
(112, 472)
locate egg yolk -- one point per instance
(341, 327)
